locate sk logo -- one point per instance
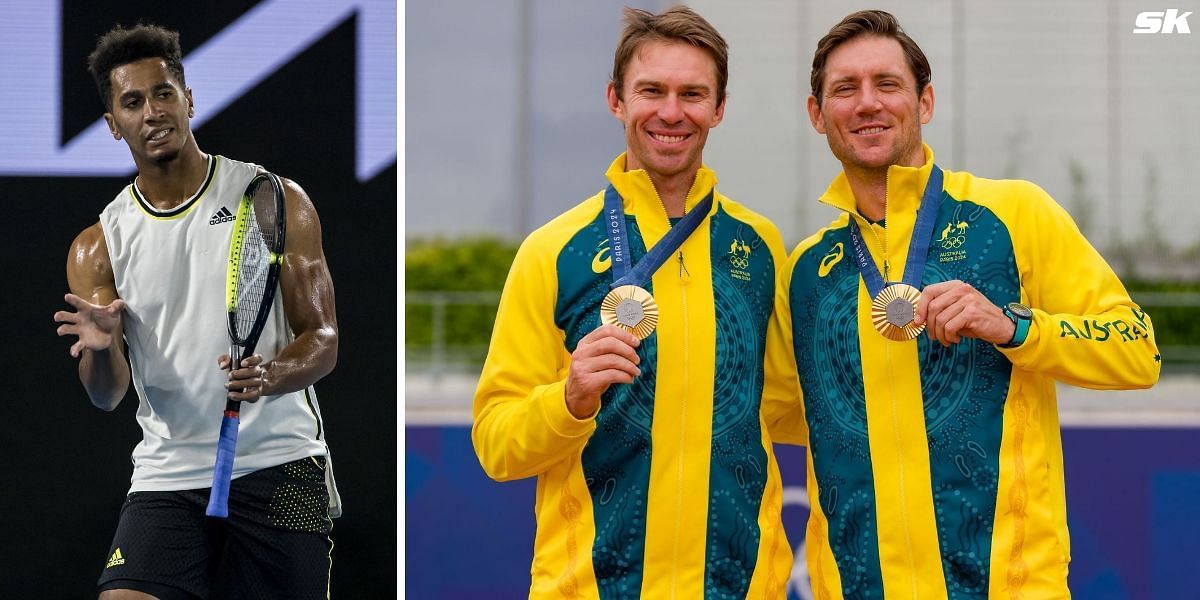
(829, 260)
(601, 262)
(950, 242)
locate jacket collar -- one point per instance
(639, 198)
(905, 186)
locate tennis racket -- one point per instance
(255, 258)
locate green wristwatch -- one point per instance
(1021, 317)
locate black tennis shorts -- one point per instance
(275, 543)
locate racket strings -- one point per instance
(255, 258)
(252, 279)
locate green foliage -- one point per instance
(1173, 325)
(481, 265)
(465, 265)
(469, 265)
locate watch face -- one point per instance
(1020, 310)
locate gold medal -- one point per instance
(631, 308)
(894, 310)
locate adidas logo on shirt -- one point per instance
(222, 216)
(116, 559)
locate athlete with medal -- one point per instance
(927, 362)
(629, 306)
(626, 369)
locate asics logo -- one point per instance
(602, 261)
(829, 260)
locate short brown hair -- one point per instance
(678, 23)
(868, 22)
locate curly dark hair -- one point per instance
(122, 46)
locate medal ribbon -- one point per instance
(618, 242)
(918, 249)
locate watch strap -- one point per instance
(1020, 332)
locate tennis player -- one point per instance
(147, 286)
(930, 322)
(626, 368)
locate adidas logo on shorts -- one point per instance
(222, 216)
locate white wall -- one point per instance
(1024, 89)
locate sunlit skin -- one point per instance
(668, 104)
(871, 115)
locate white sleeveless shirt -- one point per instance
(169, 268)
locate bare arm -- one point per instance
(96, 321)
(309, 304)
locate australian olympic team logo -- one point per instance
(959, 237)
(953, 237)
(739, 259)
(739, 254)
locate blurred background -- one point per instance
(305, 88)
(507, 127)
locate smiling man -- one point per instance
(929, 325)
(147, 285)
(626, 368)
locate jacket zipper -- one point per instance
(895, 424)
(684, 278)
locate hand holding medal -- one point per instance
(894, 312)
(628, 305)
(954, 310)
(631, 308)
(628, 314)
(894, 303)
(951, 309)
(605, 356)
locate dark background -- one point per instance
(69, 462)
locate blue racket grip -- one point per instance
(218, 497)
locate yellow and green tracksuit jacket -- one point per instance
(937, 472)
(671, 490)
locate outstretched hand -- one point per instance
(96, 326)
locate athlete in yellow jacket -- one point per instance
(655, 474)
(935, 463)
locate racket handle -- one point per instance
(218, 497)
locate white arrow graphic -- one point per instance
(221, 70)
